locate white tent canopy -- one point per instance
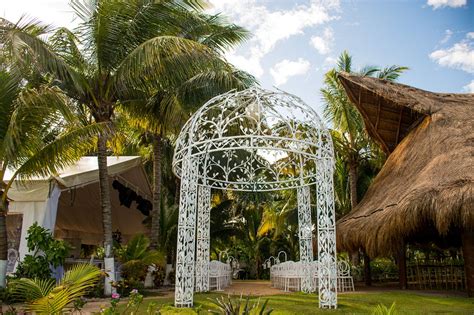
(69, 203)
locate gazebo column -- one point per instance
(305, 235)
(203, 239)
(326, 220)
(184, 285)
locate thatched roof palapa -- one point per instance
(425, 190)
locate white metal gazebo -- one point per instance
(254, 140)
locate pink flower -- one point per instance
(115, 296)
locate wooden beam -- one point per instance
(378, 115)
(402, 267)
(367, 271)
(367, 121)
(467, 237)
(399, 125)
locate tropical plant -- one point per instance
(39, 135)
(351, 142)
(383, 310)
(45, 252)
(352, 145)
(162, 112)
(44, 296)
(228, 306)
(136, 258)
(119, 48)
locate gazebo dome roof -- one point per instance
(254, 140)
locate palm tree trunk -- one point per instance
(353, 177)
(155, 218)
(353, 183)
(258, 265)
(105, 195)
(106, 211)
(3, 239)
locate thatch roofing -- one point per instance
(425, 190)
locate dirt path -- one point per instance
(256, 288)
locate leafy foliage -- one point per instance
(136, 258)
(45, 297)
(383, 310)
(355, 151)
(46, 252)
(228, 306)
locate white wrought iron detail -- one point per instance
(326, 222)
(184, 285)
(305, 236)
(254, 140)
(203, 241)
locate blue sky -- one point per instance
(296, 41)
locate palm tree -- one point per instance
(163, 113)
(119, 48)
(350, 139)
(352, 145)
(39, 135)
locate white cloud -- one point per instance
(324, 42)
(272, 27)
(470, 35)
(436, 4)
(469, 88)
(459, 56)
(447, 36)
(329, 62)
(57, 12)
(285, 69)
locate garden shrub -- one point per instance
(159, 275)
(45, 252)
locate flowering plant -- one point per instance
(112, 310)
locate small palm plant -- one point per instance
(383, 310)
(44, 296)
(136, 258)
(228, 306)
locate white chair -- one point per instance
(12, 259)
(345, 282)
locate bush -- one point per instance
(159, 275)
(136, 257)
(45, 252)
(172, 277)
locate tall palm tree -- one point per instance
(38, 136)
(352, 145)
(119, 48)
(163, 113)
(350, 139)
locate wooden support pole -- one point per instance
(402, 267)
(468, 254)
(367, 273)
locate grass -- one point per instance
(410, 302)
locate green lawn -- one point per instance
(411, 302)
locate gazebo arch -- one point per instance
(254, 140)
